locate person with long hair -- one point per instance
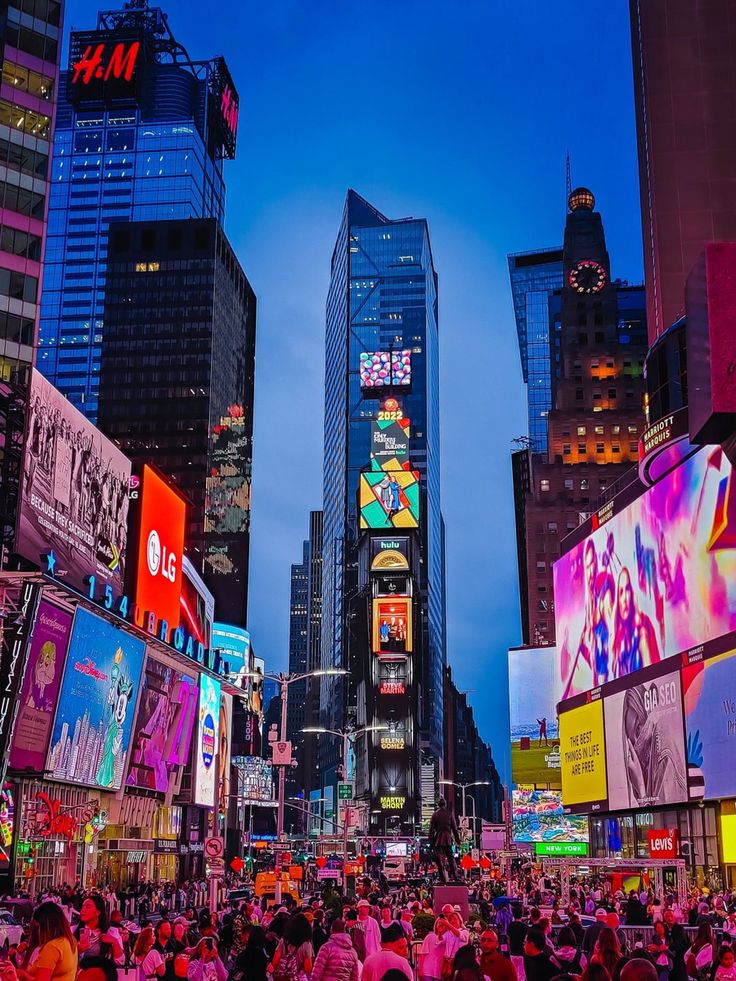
(659, 948)
(52, 953)
(252, 961)
(634, 636)
(295, 946)
(148, 960)
(699, 959)
(607, 950)
(95, 936)
(205, 964)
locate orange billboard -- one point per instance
(392, 625)
(160, 548)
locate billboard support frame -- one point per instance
(566, 866)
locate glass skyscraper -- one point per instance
(382, 297)
(534, 277)
(147, 143)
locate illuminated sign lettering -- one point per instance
(392, 803)
(392, 742)
(97, 63)
(393, 688)
(229, 109)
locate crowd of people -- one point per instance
(598, 935)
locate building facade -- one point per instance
(141, 135)
(534, 277)
(176, 383)
(382, 310)
(685, 98)
(598, 344)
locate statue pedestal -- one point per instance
(455, 895)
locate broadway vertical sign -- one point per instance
(20, 606)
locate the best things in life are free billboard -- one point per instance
(533, 696)
(653, 580)
(583, 757)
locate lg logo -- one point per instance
(158, 559)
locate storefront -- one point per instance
(690, 831)
(49, 830)
(166, 844)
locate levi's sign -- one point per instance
(662, 844)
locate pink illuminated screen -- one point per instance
(654, 580)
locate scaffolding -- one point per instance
(566, 868)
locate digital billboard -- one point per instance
(583, 756)
(196, 605)
(709, 695)
(538, 815)
(390, 554)
(534, 691)
(206, 748)
(389, 500)
(163, 726)
(161, 522)
(380, 369)
(390, 434)
(255, 775)
(94, 717)
(74, 493)
(645, 751)
(41, 682)
(223, 750)
(227, 488)
(392, 625)
(103, 66)
(653, 579)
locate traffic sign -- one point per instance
(214, 847)
(475, 854)
(280, 846)
(345, 790)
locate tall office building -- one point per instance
(30, 47)
(141, 135)
(599, 342)
(383, 552)
(534, 277)
(685, 96)
(176, 383)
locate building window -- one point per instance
(584, 484)
(599, 448)
(612, 393)
(582, 448)
(632, 429)
(569, 484)
(544, 485)
(599, 337)
(552, 526)
(578, 395)
(634, 447)
(616, 448)
(596, 396)
(615, 430)
(599, 430)
(541, 566)
(566, 449)
(581, 430)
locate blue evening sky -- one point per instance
(459, 112)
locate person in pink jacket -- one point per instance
(337, 959)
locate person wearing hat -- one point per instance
(369, 927)
(591, 934)
(393, 955)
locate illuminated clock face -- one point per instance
(587, 276)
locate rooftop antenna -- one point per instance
(568, 182)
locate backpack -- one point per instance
(288, 968)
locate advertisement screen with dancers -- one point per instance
(389, 500)
(97, 702)
(74, 494)
(535, 735)
(652, 580)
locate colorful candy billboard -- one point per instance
(645, 747)
(538, 815)
(40, 687)
(163, 726)
(379, 369)
(206, 749)
(651, 580)
(97, 702)
(709, 693)
(389, 500)
(535, 735)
